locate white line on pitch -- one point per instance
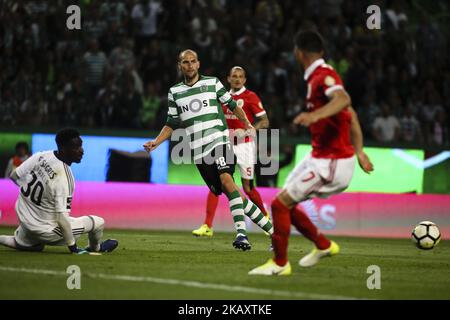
(185, 283)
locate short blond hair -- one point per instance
(182, 53)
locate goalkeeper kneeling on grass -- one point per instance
(43, 206)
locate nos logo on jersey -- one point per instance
(194, 106)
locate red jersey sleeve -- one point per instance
(256, 106)
(330, 81)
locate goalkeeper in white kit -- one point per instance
(44, 203)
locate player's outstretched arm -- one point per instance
(357, 141)
(339, 100)
(164, 134)
(240, 113)
(262, 122)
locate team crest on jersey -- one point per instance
(203, 88)
(329, 81)
(240, 102)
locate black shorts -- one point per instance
(224, 162)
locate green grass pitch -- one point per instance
(176, 265)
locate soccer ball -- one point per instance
(426, 235)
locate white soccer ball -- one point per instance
(426, 235)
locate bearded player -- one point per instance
(336, 138)
(194, 105)
(243, 145)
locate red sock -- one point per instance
(256, 199)
(282, 229)
(303, 224)
(211, 206)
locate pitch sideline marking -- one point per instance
(195, 284)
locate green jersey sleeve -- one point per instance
(224, 96)
(173, 119)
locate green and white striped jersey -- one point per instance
(197, 108)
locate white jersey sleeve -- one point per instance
(27, 166)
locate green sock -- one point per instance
(253, 212)
(237, 211)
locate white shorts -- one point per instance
(246, 158)
(319, 177)
(50, 235)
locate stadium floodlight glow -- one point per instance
(422, 164)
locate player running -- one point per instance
(243, 145)
(195, 105)
(43, 207)
(336, 137)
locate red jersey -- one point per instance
(251, 104)
(17, 161)
(330, 136)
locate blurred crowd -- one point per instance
(115, 72)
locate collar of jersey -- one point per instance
(238, 92)
(313, 67)
(200, 77)
(54, 155)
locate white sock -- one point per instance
(8, 241)
(96, 225)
